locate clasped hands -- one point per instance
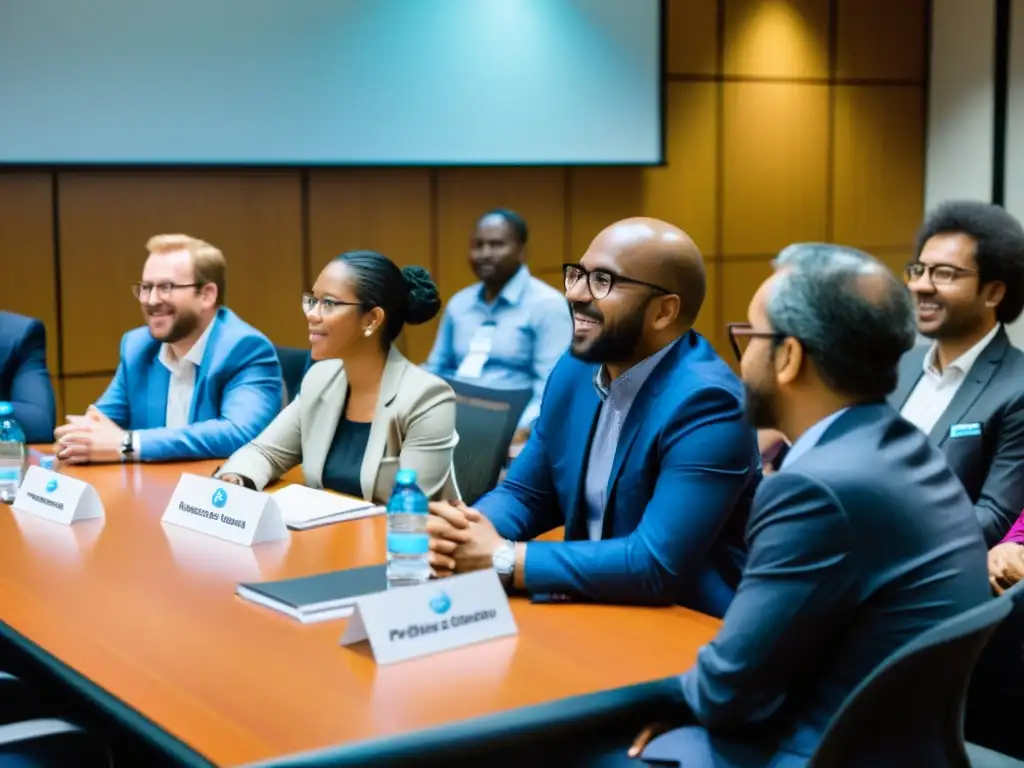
(462, 539)
(89, 438)
(1005, 565)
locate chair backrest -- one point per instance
(294, 362)
(486, 420)
(995, 697)
(909, 711)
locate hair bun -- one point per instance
(424, 301)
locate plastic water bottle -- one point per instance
(13, 454)
(408, 540)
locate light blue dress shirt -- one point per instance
(617, 398)
(533, 328)
(810, 438)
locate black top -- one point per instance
(345, 458)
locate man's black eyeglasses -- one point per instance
(741, 333)
(601, 281)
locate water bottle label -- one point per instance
(408, 543)
(411, 503)
(10, 474)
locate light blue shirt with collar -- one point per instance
(616, 399)
(533, 328)
(810, 438)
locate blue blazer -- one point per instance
(855, 547)
(682, 480)
(24, 379)
(238, 392)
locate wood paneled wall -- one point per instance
(787, 120)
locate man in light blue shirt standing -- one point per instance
(508, 330)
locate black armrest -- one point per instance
(537, 733)
(52, 742)
(18, 701)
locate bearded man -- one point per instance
(196, 382)
(641, 450)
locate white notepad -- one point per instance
(303, 507)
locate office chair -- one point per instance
(486, 420)
(294, 363)
(18, 701)
(893, 717)
(995, 697)
(30, 740)
(50, 742)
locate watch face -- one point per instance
(504, 558)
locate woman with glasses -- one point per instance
(363, 410)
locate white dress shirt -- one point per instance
(182, 385)
(935, 390)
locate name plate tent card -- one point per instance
(59, 498)
(225, 510)
(408, 622)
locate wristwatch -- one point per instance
(127, 447)
(504, 562)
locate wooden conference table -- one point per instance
(148, 613)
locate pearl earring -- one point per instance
(368, 331)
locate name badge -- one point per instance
(480, 346)
(57, 497)
(965, 430)
(409, 622)
(225, 510)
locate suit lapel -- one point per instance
(377, 441)
(638, 411)
(974, 384)
(324, 416)
(209, 353)
(910, 371)
(586, 410)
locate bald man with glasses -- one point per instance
(640, 451)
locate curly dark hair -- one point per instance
(999, 252)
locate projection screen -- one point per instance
(337, 82)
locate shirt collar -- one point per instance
(194, 355)
(632, 379)
(513, 290)
(810, 438)
(966, 361)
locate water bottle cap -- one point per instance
(48, 462)
(405, 477)
(6, 409)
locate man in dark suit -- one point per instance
(861, 541)
(640, 451)
(24, 378)
(966, 389)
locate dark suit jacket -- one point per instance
(855, 547)
(682, 479)
(990, 465)
(24, 379)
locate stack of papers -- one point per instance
(318, 598)
(303, 507)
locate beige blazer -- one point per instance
(414, 427)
